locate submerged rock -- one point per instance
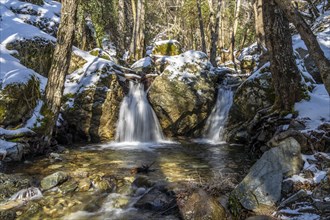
(262, 185)
(199, 205)
(53, 180)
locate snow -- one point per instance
(87, 76)
(21, 30)
(12, 72)
(177, 64)
(142, 63)
(161, 42)
(316, 110)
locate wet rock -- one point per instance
(322, 191)
(68, 186)
(84, 185)
(199, 205)
(53, 180)
(55, 157)
(102, 184)
(323, 207)
(157, 199)
(262, 185)
(142, 181)
(10, 184)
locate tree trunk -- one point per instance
(323, 64)
(140, 29)
(285, 74)
(214, 31)
(259, 25)
(134, 32)
(201, 25)
(61, 60)
(233, 33)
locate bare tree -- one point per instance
(214, 26)
(201, 25)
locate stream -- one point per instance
(176, 164)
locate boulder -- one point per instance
(18, 99)
(35, 53)
(167, 48)
(91, 113)
(200, 206)
(184, 94)
(11, 151)
(53, 180)
(12, 183)
(252, 95)
(262, 185)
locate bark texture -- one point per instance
(294, 16)
(201, 25)
(61, 59)
(214, 26)
(285, 74)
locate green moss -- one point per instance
(96, 53)
(234, 206)
(168, 49)
(66, 97)
(46, 122)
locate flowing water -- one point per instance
(137, 120)
(214, 128)
(179, 163)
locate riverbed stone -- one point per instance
(199, 205)
(262, 185)
(53, 180)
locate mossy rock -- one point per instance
(76, 62)
(18, 101)
(181, 105)
(253, 95)
(35, 53)
(99, 53)
(167, 48)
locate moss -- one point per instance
(96, 53)
(36, 53)
(234, 206)
(66, 97)
(17, 102)
(168, 49)
(46, 122)
(76, 62)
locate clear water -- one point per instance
(137, 120)
(178, 163)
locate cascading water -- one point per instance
(215, 123)
(137, 120)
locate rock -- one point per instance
(157, 199)
(252, 95)
(322, 191)
(287, 187)
(11, 151)
(18, 100)
(184, 94)
(53, 180)
(167, 48)
(35, 53)
(201, 206)
(300, 195)
(84, 185)
(262, 185)
(142, 181)
(102, 184)
(93, 115)
(323, 207)
(12, 183)
(68, 186)
(76, 62)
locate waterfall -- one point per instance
(137, 120)
(215, 123)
